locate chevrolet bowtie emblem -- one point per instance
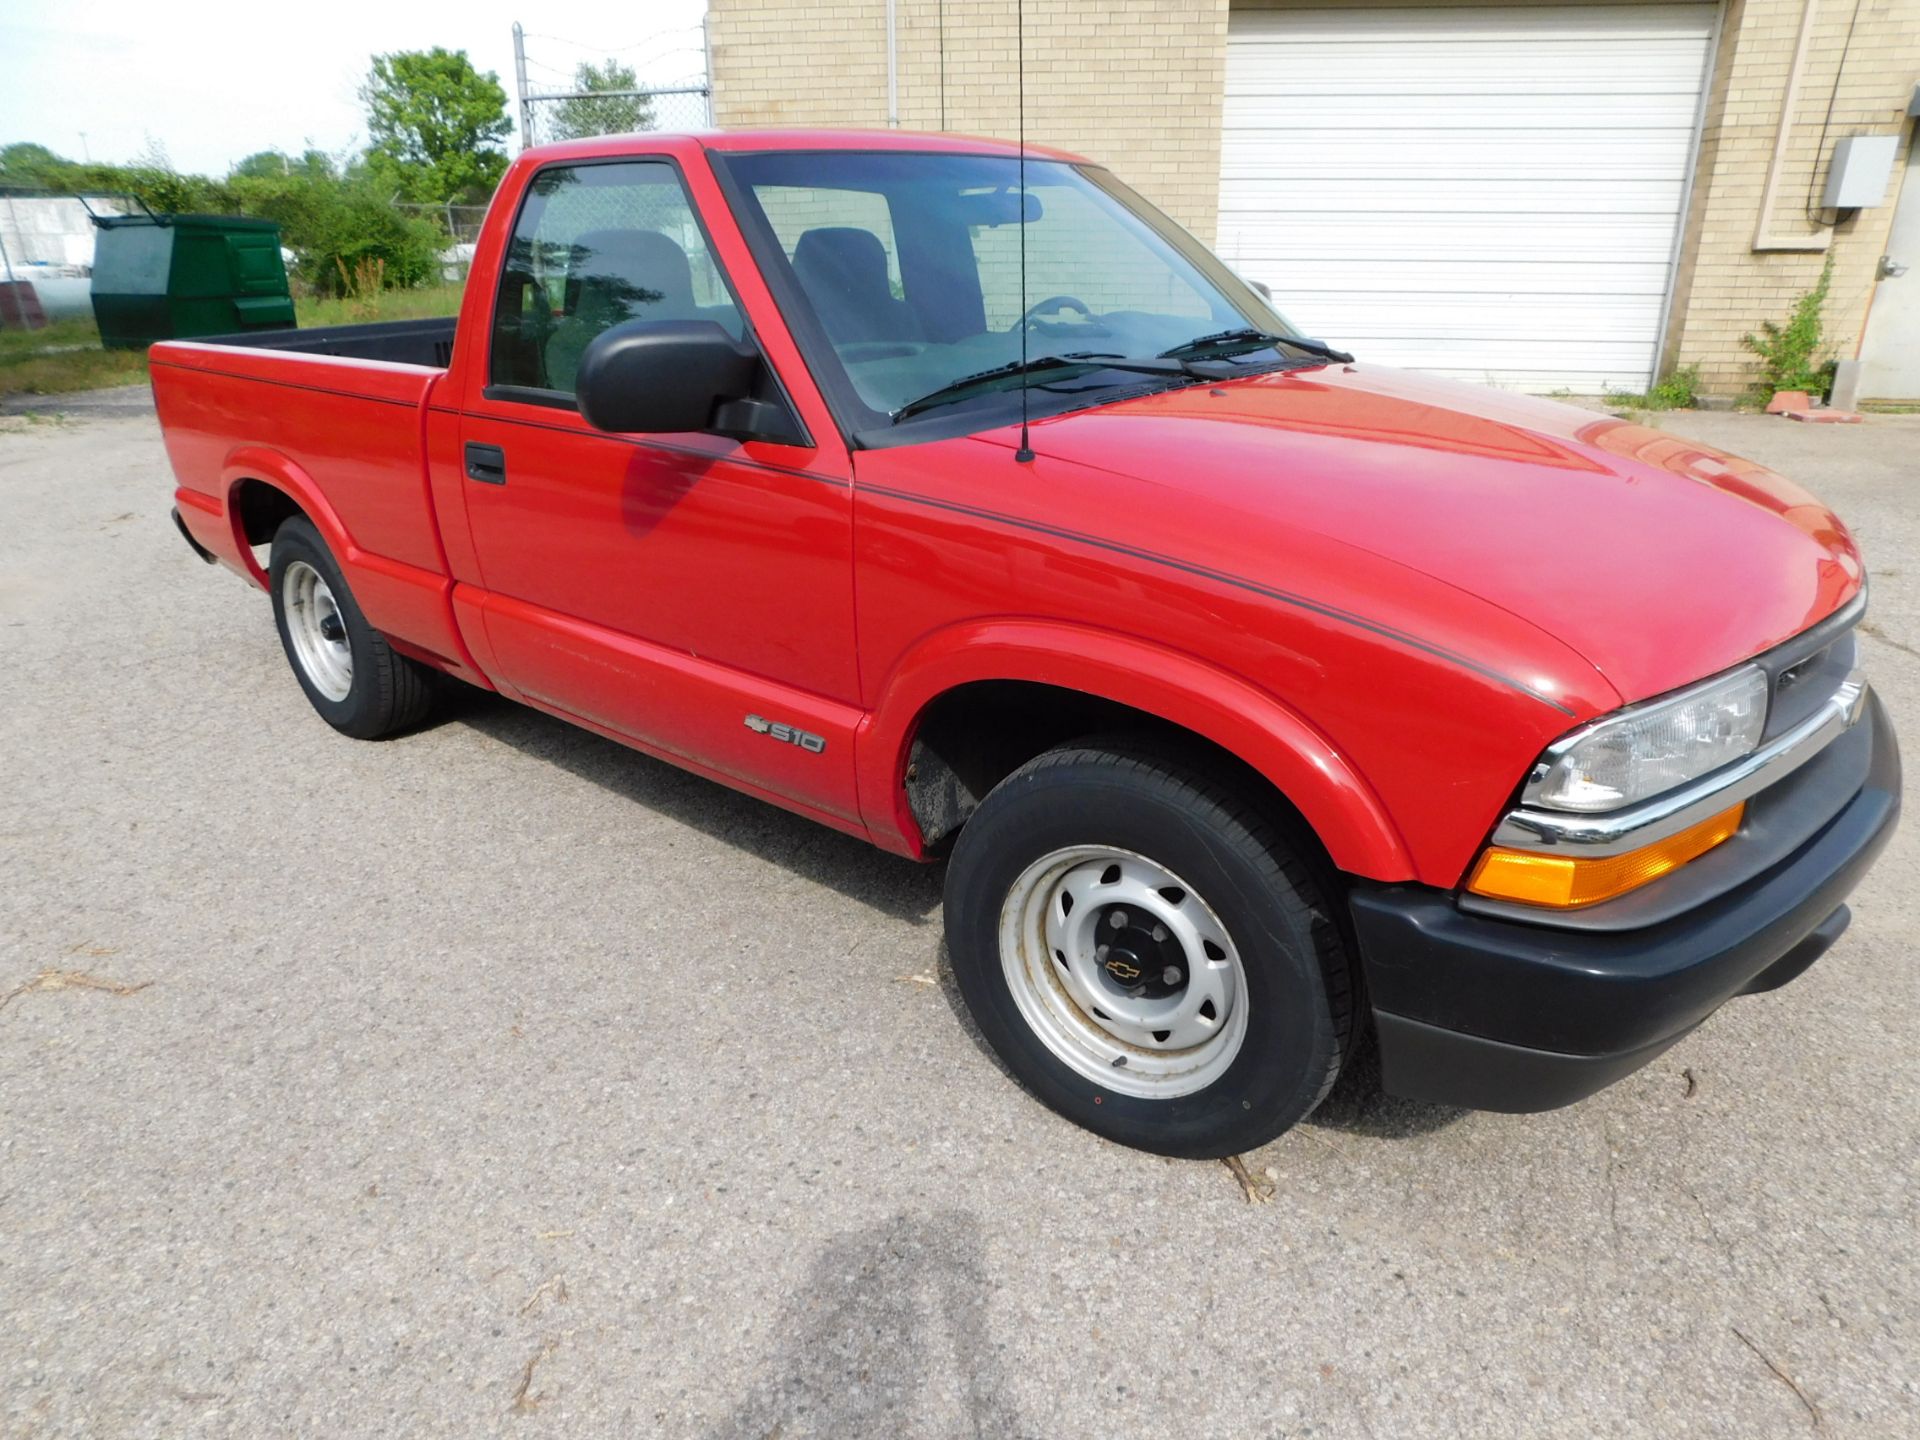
(1122, 971)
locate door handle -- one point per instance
(487, 464)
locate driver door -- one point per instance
(671, 590)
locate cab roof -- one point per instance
(603, 147)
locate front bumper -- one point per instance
(1498, 1013)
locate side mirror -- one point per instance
(655, 377)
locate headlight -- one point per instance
(1650, 749)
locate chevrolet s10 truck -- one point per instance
(1258, 699)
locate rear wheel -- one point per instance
(1146, 952)
(352, 676)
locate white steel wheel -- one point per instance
(1123, 971)
(317, 630)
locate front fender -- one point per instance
(1239, 717)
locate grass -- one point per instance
(1677, 391)
(66, 356)
(421, 304)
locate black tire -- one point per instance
(1140, 797)
(388, 692)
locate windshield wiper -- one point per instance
(1253, 339)
(1151, 365)
(1082, 360)
(957, 389)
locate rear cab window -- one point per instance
(596, 245)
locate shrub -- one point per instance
(335, 217)
(1677, 391)
(340, 229)
(1789, 353)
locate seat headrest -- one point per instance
(636, 266)
(842, 258)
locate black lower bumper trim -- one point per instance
(187, 535)
(1444, 1067)
(1500, 1015)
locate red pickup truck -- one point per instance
(1259, 699)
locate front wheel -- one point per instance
(1146, 952)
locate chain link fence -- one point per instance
(568, 115)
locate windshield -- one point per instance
(910, 265)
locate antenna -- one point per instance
(1024, 455)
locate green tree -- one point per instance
(436, 125)
(601, 114)
(25, 163)
(317, 165)
(264, 163)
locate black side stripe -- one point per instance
(1285, 597)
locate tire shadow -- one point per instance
(1357, 1105)
(902, 889)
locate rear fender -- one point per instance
(1242, 719)
(270, 467)
(411, 606)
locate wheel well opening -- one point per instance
(974, 736)
(260, 509)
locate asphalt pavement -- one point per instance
(496, 1080)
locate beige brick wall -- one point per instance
(1133, 84)
(1725, 287)
(1137, 85)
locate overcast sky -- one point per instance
(214, 82)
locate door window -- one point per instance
(595, 246)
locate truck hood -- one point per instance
(1658, 560)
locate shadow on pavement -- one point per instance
(895, 887)
(888, 1336)
(901, 888)
(1358, 1106)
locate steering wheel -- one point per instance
(1053, 303)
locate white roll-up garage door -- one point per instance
(1488, 192)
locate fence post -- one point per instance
(520, 85)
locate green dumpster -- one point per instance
(170, 277)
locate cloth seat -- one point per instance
(843, 269)
(614, 276)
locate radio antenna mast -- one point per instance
(1024, 455)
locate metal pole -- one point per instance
(6, 260)
(706, 47)
(893, 71)
(520, 85)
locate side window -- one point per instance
(1075, 248)
(593, 246)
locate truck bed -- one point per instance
(427, 342)
(336, 419)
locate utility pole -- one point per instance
(520, 85)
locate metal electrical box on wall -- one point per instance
(1858, 175)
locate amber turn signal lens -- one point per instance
(1566, 882)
